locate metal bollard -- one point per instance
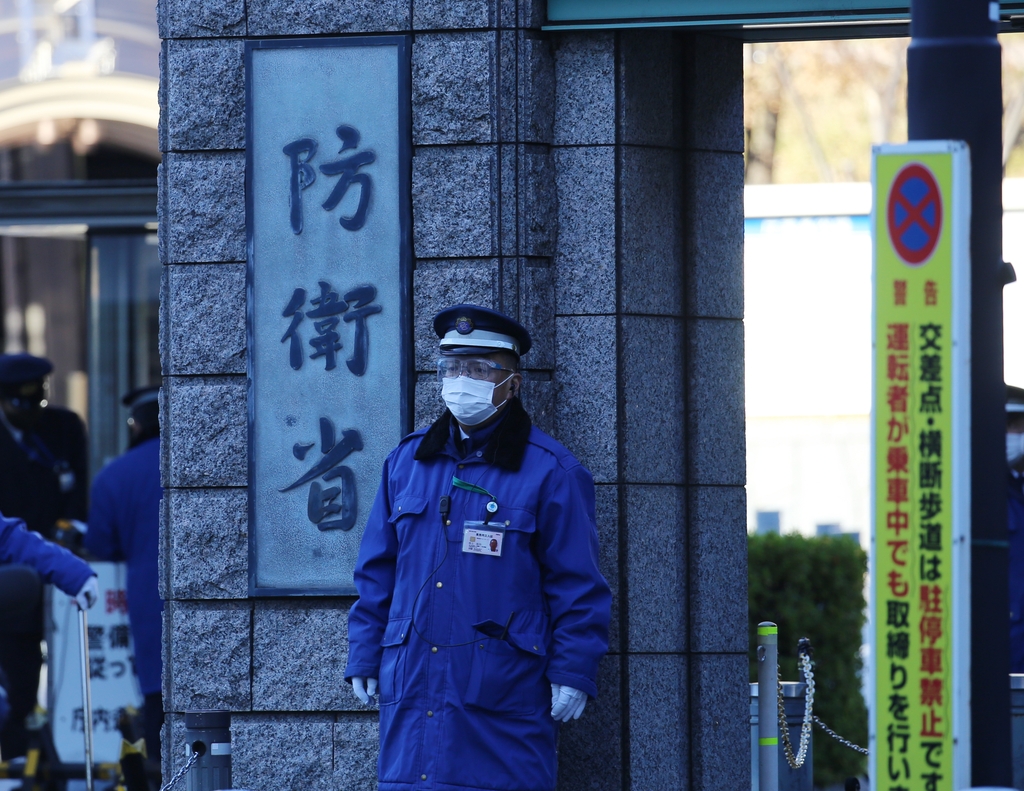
(768, 727)
(208, 733)
(793, 700)
(83, 624)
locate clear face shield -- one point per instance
(477, 368)
(467, 387)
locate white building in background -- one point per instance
(808, 351)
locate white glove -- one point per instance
(87, 597)
(365, 688)
(567, 703)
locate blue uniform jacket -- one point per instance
(124, 524)
(465, 690)
(54, 564)
(1016, 525)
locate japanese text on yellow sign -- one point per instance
(913, 473)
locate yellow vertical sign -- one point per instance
(921, 342)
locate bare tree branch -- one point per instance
(1013, 117)
(786, 80)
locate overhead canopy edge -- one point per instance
(93, 203)
(781, 20)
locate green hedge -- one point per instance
(814, 587)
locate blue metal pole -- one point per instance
(954, 93)
(768, 706)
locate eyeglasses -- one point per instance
(473, 367)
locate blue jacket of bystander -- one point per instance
(124, 524)
(1015, 521)
(54, 564)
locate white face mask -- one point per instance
(1014, 448)
(470, 400)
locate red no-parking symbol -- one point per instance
(915, 214)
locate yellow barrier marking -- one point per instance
(32, 763)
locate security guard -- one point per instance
(482, 611)
(124, 524)
(42, 449)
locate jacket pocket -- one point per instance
(520, 530)
(392, 663)
(408, 504)
(407, 511)
(507, 676)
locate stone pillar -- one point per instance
(716, 439)
(649, 370)
(588, 184)
(483, 182)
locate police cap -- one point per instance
(471, 329)
(140, 396)
(19, 368)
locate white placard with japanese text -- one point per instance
(112, 680)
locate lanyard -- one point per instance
(37, 451)
(492, 506)
(41, 453)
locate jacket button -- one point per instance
(430, 714)
(535, 648)
(479, 453)
(440, 584)
(461, 466)
(433, 650)
(423, 777)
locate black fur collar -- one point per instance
(505, 449)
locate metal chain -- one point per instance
(181, 772)
(838, 738)
(796, 761)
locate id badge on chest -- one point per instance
(65, 477)
(483, 538)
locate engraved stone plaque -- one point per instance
(328, 299)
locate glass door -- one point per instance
(124, 303)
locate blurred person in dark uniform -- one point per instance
(43, 474)
(42, 480)
(124, 520)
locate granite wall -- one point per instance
(589, 184)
